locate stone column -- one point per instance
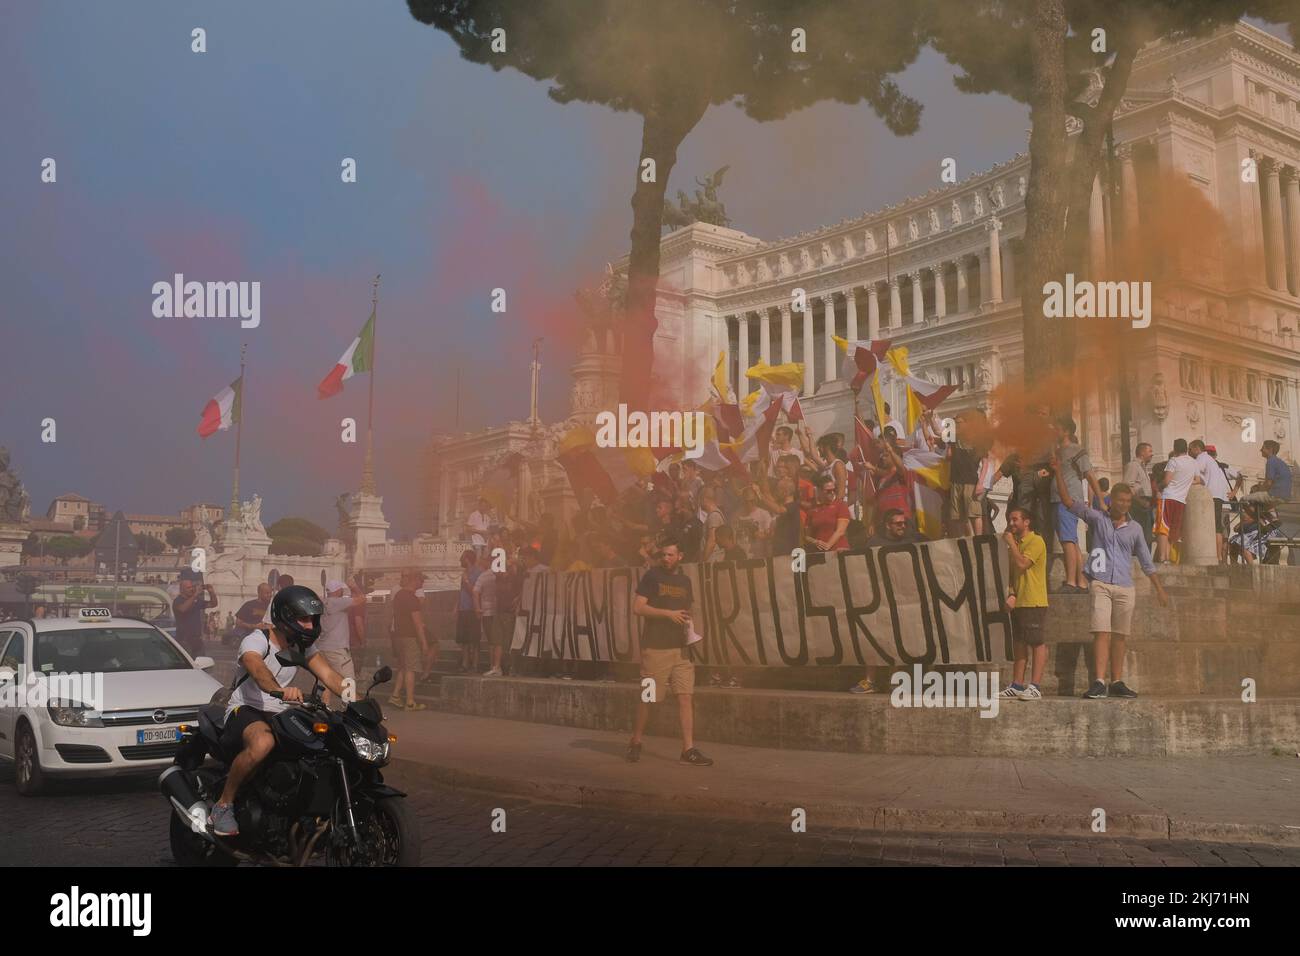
(963, 287)
(994, 228)
(851, 314)
(742, 349)
(1292, 184)
(873, 311)
(1009, 290)
(1274, 244)
(984, 276)
(724, 334)
(809, 383)
(828, 331)
(895, 305)
(764, 336)
(787, 348)
(940, 294)
(918, 299)
(1096, 231)
(1128, 192)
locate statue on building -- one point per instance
(870, 240)
(978, 202)
(1022, 185)
(341, 504)
(15, 505)
(913, 230)
(805, 260)
(764, 271)
(849, 251)
(997, 198)
(1159, 397)
(891, 235)
(250, 516)
(828, 257)
(705, 207)
(784, 265)
(934, 221)
(956, 212)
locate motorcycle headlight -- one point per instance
(67, 714)
(369, 750)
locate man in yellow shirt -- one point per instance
(1027, 601)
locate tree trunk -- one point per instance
(662, 131)
(1045, 201)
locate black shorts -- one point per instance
(1218, 516)
(232, 735)
(1027, 625)
(468, 630)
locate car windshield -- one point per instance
(106, 650)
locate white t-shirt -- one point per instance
(1215, 480)
(485, 586)
(248, 694)
(479, 524)
(334, 632)
(1180, 470)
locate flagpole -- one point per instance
(239, 431)
(368, 473)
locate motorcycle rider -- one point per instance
(295, 623)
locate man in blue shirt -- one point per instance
(1277, 477)
(1116, 541)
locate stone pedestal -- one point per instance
(1198, 546)
(365, 525)
(12, 537)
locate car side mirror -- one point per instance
(291, 658)
(7, 675)
(203, 663)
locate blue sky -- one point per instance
(225, 166)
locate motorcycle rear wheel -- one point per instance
(190, 849)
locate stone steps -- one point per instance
(1162, 727)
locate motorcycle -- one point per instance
(320, 792)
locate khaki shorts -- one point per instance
(501, 631)
(341, 660)
(408, 654)
(963, 504)
(1112, 608)
(671, 669)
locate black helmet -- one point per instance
(294, 602)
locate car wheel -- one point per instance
(29, 778)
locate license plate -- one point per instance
(160, 735)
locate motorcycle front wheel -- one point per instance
(390, 836)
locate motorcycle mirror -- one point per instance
(382, 676)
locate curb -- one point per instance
(1139, 826)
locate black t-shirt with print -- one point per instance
(670, 592)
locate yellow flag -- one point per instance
(720, 376)
(785, 375)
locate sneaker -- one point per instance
(493, 672)
(731, 683)
(1096, 691)
(1011, 692)
(416, 705)
(715, 679)
(863, 686)
(223, 820)
(1031, 693)
(1120, 689)
(633, 753)
(695, 758)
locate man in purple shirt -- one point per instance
(1116, 541)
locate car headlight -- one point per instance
(370, 750)
(74, 715)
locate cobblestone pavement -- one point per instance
(124, 822)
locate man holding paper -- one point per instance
(664, 597)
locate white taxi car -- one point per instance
(94, 695)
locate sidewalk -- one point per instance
(1230, 799)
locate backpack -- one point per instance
(235, 686)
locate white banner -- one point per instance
(937, 602)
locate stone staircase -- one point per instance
(1188, 662)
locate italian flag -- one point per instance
(359, 357)
(222, 409)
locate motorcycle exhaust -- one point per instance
(176, 787)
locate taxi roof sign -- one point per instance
(94, 614)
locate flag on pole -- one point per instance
(922, 395)
(930, 473)
(860, 359)
(359, 357)
(222, 410)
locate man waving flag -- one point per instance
(359, 357)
